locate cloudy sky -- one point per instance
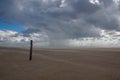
(60, 22)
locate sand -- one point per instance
(60, 64)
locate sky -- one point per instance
(62, 23)
(14, 26)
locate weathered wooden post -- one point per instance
(31, 46)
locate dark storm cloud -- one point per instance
(83, 6)
(78, 18)
(106, 3)
(106, 18)
(5, 7)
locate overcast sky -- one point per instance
(60, 22)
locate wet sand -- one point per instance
(60, 64)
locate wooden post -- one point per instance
(31, 46)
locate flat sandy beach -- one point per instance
(60, 64)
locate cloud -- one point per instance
(16, 39)
(61, 20)
(106, 18)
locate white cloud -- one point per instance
(107, 39)
(7, 33)
(117, 2)
(63, 4)
(8, 36)
(94, 42)
(11, 36)
(96, 2)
